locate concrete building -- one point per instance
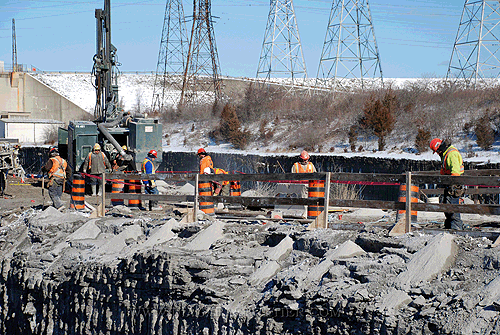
(23, 96)
(29, 130)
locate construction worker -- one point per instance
(119, 164)
(205, 160)
(303, 165)
(149, 185)
(221, 188)
(95, 165)
(452, 165)
(56, 167)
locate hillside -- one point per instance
(279, 122)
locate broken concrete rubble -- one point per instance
(64, 273)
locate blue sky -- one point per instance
(415, 37)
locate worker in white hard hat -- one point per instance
(95, 165)
(303, 165)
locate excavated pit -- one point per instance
(65, 273)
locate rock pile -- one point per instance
(64, 273)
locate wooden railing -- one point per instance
(489, 180)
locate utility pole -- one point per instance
(475, 51)
(171, 58)
(350, 49)
(14, 47)
(281, 54)
(202, 71)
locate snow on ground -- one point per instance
(136, 93)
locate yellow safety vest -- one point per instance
(151, 182)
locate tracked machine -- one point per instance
(112, 128)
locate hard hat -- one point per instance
(201, 151)
(97, 146)
(53, 151)
(304, 155)
(124, 147)
(153, 153)
(435, 143)
(207, 170)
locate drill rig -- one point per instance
(112, 127)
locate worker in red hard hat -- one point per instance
(57, 168)
(303, 165)
(452, 165)
(149, 185)
(205, 160)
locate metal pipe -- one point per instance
(106, 133)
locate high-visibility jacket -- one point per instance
(221, 171)
(58, 169)
(299, 168)
(206, 162)
(149, 168)
(452, 162)
(90, 159)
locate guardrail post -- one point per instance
(103, 193)
(408, 202)
(327, 199)
(195, 207)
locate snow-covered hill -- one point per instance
(136, 92)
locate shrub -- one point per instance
(379, 116)
(422, 140)
(229, 128)
(50, 135)
(353, 137)
(485, 136)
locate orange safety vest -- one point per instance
(206, 162)
(299, 168)
(444, 170)
(58, 168)
(221, 171)
(90, 159)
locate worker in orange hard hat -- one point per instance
(452, 165)
(205, 160)
(303, 165)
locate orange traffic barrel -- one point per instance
(78, 192)
(117, 187)
(316, 190)
(235, 190)
(205, 189)
(402, 198)
(134, 187)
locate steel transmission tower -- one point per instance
(476, 48)
(281, 55)
(350, 49)
(14, 46)
(171, 58)
(202, 72)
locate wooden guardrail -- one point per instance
(486, 178)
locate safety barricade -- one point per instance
(402, 198)
(205, 189)
(78, 192)
(235, 190)
(316, 190)
(117, 186)
(134, 187)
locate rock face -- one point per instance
(67, 274)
